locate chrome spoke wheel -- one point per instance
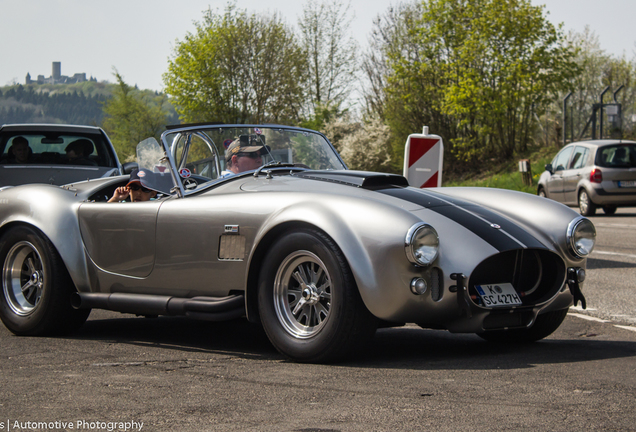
(586, 206)
(23, 278)
(302, 294)
(584, 202)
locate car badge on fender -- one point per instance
(495, 226)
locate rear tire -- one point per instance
(543, 327)
(609, 210)
(586, 206)
(36, 287)
(308, 300)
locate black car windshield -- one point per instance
(55, 149)
(617, 156)
(207, 153)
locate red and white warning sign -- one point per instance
(423, 159)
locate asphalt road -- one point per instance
(610, 288)
(177, 375)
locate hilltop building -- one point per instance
(57, 77)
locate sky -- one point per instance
(137, 37)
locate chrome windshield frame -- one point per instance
(201, 130)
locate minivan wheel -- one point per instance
(586, 206)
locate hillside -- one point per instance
(80, 103)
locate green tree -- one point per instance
(130, 118)
(476, 69)
(331, 56)
(598, 70)
(238, 68)
(404, 83)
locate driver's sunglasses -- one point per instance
(136, 187)
(253, 155)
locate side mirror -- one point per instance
(129, 167)
(548, 167)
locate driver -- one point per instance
(134, 189)
(244, 154)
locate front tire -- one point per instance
(586, 206)
(544, 326)
(308, 301)
(541, 192)
(36, 288)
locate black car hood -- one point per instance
(361, 179)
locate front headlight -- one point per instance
(421, 244)
(581, 236)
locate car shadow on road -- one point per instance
(402, 348)
(595, 263)
(236, 337)
(435, 350)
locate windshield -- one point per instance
(154, 167)
(205, 154)
(54, 148)
(617, 156)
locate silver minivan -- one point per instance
(592, 174)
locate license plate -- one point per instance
(497, 295)
(629, 183)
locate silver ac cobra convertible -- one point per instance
(319, 255)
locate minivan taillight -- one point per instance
(596, 176)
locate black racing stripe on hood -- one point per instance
(473, 217)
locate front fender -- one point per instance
(370, 234)
(53, 211)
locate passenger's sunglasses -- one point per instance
(136, 187)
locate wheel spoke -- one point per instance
(30, 265)
(28, 288)
(299, 306)
(324, 290)
(298, 278)
(321, 312)
(318, 275)
(306, 271)
(296, 294)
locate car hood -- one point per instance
(14, 175)
(505, 219)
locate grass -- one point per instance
(507, 176)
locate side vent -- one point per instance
(231, 247)
(437, 284)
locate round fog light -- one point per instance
(580, 275)
(418, 286)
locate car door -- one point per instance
(120, 238)
(572, 175)
(555, 182)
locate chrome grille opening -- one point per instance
(536, 274)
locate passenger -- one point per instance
(78, 152)
(19, 152)
(134, 189)
(242, 155)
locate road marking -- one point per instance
(606, 225)
(589, 318)
(626, 327)
(613, 253)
